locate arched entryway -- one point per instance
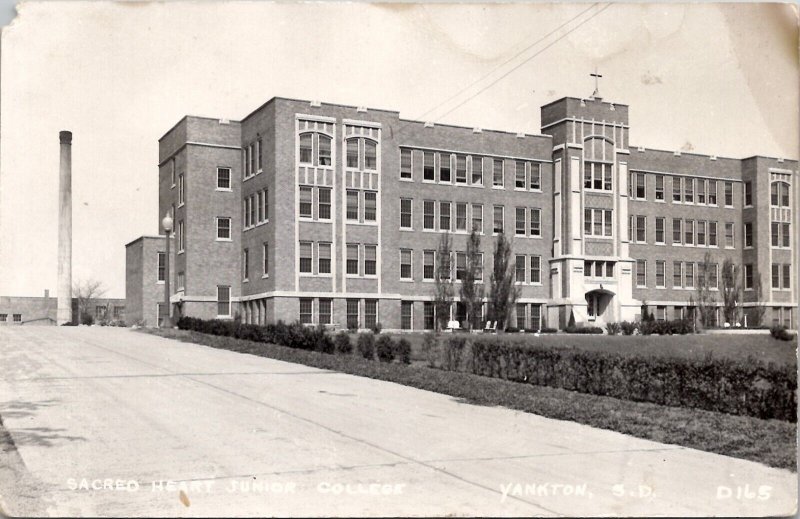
(599, 308)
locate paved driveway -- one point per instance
(108, 421)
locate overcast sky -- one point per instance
(717, 79)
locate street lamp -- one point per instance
(167, 224)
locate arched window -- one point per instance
(598, 156)
(324, 150)
(306, 148)
(779, 194)
(362, 153)
(315, 149)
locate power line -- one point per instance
(523, 63)
(515, 56)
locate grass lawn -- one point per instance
(761, 346)
(771, 442)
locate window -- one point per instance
(640, 192)
(775, 227)
(536, 177)
(712, 192)
(306, 197)
(688, 192)
(519, 268)
(641, 229)
(323, 258)
(181, 190)
(689, 275)
(598, 222)
(306, 259)
(428, 214)
(100, 312)
(748, 194)
(498, 175)
(461, 265)
(171, 174)
(779, 194)
(264, 205)
(677, 231)
(162, 266)
(661, 313)
(479, 267)
(325, 311)
(519, 182)
(712, 234)
(728, 194)
(405, 264)
(370, 206)
(748, 276)
(786, 233)
(429, 315)
(677, 274)
(477, 218)
(477, 171)
(405, 164)
(406, 313)
(223, 301)
(498, 219)
(258, 155)
(428, 264)
(370, 312)
(306, 310)
(444, 167)
(729, 241)
(405, 213)
(223, 228)
(660, 230)
(660, 187)
(428, 171)
(265, 259)
(306, 148)
(370, 155)
(224, 178)
(461, 216)
(461, 169)
(324, 150)
(748, 234)
(352, 153)
(776, 276)
(352, 313)
(677, 189)
(781, 276)
(445, 267)
(521, 315)
(520, 223)
(324, 203)
(701, 191)
(787, 275)
(536, 222)
(444, 216)
(641, 273)
(714, 276)
(701, 232)
(3, 318)
(597, 175)
(536, 269)
(660, 274)
(688, 232)
(248, 162)
(118, 311)
(370, 260)
(536, 317)
(245, 264)
(181, 234)
(352, 259)
(352, 205)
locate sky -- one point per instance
(716, 78)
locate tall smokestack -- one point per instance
(64, 312)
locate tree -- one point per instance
(86, 291)
(503, 293)
(443, 282)
(471, 292)
(731, 291)
(759, 309)
(705, 299)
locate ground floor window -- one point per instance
(352, 313)
(306, 310)
(536, 317)
(521, 317)
(406, 315)
(325, 311)
(370, 312)
(223, 301)
(429, 314)
(17, 318)
(661, 313)
(161, 312)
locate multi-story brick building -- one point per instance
(333, 214)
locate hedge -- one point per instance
(747, 387)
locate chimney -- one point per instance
(46, 293)
(64, 290)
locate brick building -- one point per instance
(333, 214)
(27, 310)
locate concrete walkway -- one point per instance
(109, 422)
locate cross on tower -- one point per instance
(596, 76)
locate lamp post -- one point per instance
(167, 224)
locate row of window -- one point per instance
(315, 150)
(466, 169)
(684, 273)
(782, 276)
(320, 195)
(251, 160)
(17, 318)
(255, 209)
(264, 262)
(684, 190)
(438, 216)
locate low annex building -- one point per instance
(332, 214)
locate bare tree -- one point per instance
(503, 293)
(472, 292)
(731, 291)
(443, 282)
(705, 299)
(86, 291)
(759, 309)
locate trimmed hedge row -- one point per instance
(749, 387)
